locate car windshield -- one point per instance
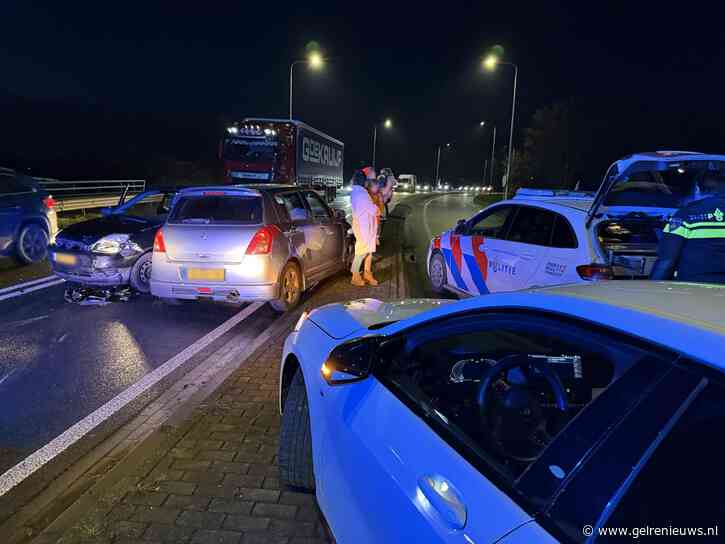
(670, 187)
(249, 150)
(217, 209)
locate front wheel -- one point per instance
(32, 244)
(437, 273)
(290, 289)
(295, 438)
(141, 273)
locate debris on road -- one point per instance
(98, 296)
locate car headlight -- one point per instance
(116, 244)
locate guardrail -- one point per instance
(89, 194)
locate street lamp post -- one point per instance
(387, 124)
(493, 152)
(438, 161)
(314, 60)
(490, 63)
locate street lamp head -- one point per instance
(490, 62)
(315, 60)
(448, 145)
(482, 123)
(388, 123)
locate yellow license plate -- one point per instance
(205, 274)
(65, 258)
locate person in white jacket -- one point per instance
(365, 217)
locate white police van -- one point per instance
(548, 237)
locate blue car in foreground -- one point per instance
(574, 414)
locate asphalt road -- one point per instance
(61, 361)
(426, 216)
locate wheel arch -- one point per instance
(289, 367)
(34, 220)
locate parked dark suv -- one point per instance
(28, 222)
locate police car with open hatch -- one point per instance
(547, 237)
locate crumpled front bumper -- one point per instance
(94, 270)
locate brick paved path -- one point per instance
(217, 481)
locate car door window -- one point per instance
(563, 235)
(491, 223)
(594, 489)
(532, 226)
(319, 209)
(291, 206)
(683, 483)
(504, 428)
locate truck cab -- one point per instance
(286, 151)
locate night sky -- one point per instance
(159, 78)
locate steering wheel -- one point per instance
(512, 416)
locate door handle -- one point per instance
(444, 499)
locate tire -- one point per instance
(32, 246)
(295, 439)
(437, 273)
(141, 273)
(289, 289)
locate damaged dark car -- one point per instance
(113, 250)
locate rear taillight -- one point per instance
(159, 245)
(49, 202)
(261, 243)
(595, 272)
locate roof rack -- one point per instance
(553, 193)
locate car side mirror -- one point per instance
(340, 215)
(298, 214)
(460, 226)
(350, 362)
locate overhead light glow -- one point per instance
(490, 62)
(315, 60)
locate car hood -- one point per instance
(343, 319)
(95, 229)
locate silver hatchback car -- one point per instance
(247, 243)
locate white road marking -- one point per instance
(26, 321)
(7, 375)
(425, 216)
(14, 294)
(59, 444)
(21, 286)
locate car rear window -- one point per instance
(217, 209)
